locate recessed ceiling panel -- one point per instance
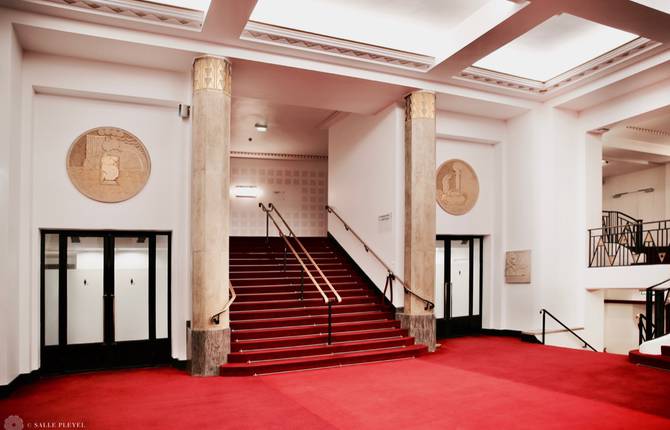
(414, 26)
(556, 46)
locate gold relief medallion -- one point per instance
(108, 164)
(457, 187)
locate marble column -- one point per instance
(210, 342)
(420, 215)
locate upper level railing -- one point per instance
(629, 243)
(391, 276)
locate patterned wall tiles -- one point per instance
(298, 189)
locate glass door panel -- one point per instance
(85, 278)
(439, 279)
(476, 274)
(131, 288)
(460, 278)
(51, 291)
(162, 276)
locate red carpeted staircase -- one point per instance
(661, 361)
(273, 330)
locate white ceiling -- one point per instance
(556, 46)
(416, 26)
(291, 129)
(637, 143)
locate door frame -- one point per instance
(107, 354)
(471, 323)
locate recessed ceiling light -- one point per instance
(261, 127)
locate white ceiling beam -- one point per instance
(626, 15)
(637, 146)
(146, 41)
(515, 23)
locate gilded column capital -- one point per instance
(420, 104)
(212, 73)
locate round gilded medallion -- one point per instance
(457, 187)
(108, 164)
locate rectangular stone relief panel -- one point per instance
(517, 267)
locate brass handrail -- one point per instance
(318, 269)
(393, 276)
(232, 296)
(293, 251)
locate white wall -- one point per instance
(545, 211)
(60, 99)
(485, 159)
(366, 181)
(298, 189)
(10, 120)
(644, 206)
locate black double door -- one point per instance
(458, 285)
(105, 299)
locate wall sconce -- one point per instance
(246, 191)
(261, 127)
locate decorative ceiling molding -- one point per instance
(280, 36)
(276, 156)
(135, 10)
(624, 53)
(653, 131)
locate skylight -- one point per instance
(556, 46)
(416, 26)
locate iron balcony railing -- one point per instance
(629, 243)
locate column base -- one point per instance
(209, 350)
(421, 327)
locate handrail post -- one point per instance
(284, 258)
(544, 318)
(302, 284)
(330, 322)
(267, 228)
(640, 326)
(649, 312)
(659, 317)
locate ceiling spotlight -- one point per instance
(605, 162)
(261, 127)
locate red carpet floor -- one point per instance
(470, 383)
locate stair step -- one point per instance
(288, 287)
(297, 303)
(284, 342)
(332, 360)
(309, 320)
(279, 265)
(293, 295)
(322, 349)
(659, 361)
(311, 329)
(260, 314)
(279, 273)
(281, 279)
